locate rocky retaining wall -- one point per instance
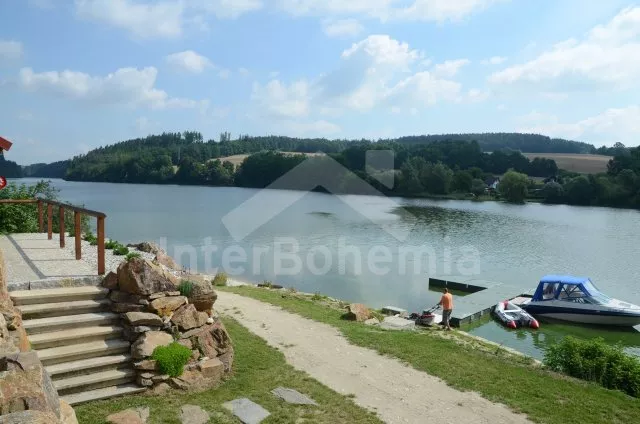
(27, 394)
(155, 313)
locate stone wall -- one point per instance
(27, 394)
(155, 313)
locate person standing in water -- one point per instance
(446, 301)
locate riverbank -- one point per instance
(464, 364)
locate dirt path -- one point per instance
(398, 393)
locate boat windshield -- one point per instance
(599, 299)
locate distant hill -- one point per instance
(44, 170)
(526, 143)
(9, 169)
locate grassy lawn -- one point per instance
(258, 369)
(466, 365)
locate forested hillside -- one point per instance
(9, 169)
(46, 170)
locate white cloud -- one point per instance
(606, 57)
(342, 27)
(615, 124)
(10, 49)
(274, 74)
(189, 61)
(450, 68)
(279, 100)
(424, 89)
(476, 95)
(129, 86)
(495, 60)
(244, 72)
(162, 19)
(318, 128)
(415, 10)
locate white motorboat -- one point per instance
(577, 299)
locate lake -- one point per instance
(377, 250)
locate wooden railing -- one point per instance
(77, 215)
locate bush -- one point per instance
(111, 244)
(186, 288)
(171, 359)
(132, 255)
(220, 279)
(595, 360)
(90, 238)
(513, 187)
(121, 251)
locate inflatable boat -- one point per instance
(513, 316)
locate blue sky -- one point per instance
(77, 74)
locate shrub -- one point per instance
(90, 237)
(186, 288)
(220, 279)
(112, 244)
(267, 284)
(121, 251)
(595, 360)
(132, 255)
(171, 359)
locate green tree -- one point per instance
(462, 181)
(579, 191)
(478, 187)
(437, 178)
(553, 192)
(513, 187)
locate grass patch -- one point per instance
(465, 364)
(258, 369)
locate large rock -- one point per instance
(30, 417)
(67, 414)
(211, 369)
(118, 296)
(212, 341)
(142, 318)
(192, 414)
(187, 317)
(140, 276)
(164, 306)
(163, 259)
(110, 281)
(202, 295)
(25, 385)
(146, 343)
(147, 247)
(130, 416)
(358, 312)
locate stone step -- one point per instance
(93, 381)
(67, 322)
(44, 310)
(77, 352)
(105, 393)
(84, 366)
(67, 294)
(74, 336)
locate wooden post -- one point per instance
(101, 245)
(61, 225)
(50, 221)
(78, 231)
(40, 217)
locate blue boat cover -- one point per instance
(584, 284)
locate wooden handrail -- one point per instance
(77, 212)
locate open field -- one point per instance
(237, 160)
(585, 164)
(469, 365)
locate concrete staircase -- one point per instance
(78, 341)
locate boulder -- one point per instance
(212, 369)
(398, 323)
(372, 321)
(67, 414)
(118, 296)
(12, 317)
(212, 341)
(187, 317)
(202, 295)
(161, 389)
(143, 318)
(140, 276)
(146, 365)
(358, 312)
(121, 308)
(163, 259)
(147, 247)
(130, 416)
(164, 306)
(25, 385)
(146, 343)
(110, 281)
(30, 417)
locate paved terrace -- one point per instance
(31, 257)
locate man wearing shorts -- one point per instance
(447, 307)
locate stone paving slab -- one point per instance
(247, 411)
(293, 396)
(193, 414)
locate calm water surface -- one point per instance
(512, 244)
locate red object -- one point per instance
(5, 144)
(534, 324)
(3, 182)
(512, 324)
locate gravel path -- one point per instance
(90, 254)
(398, 393)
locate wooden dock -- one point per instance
(484, 296)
